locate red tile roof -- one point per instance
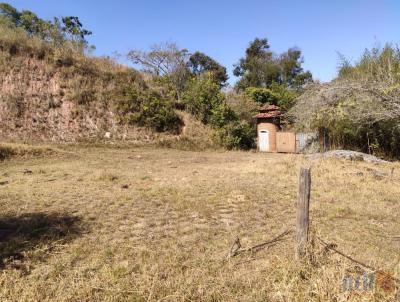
(269, 111)
(269, 108)
(269, 114)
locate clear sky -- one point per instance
(223, 28)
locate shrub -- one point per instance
(63, 57)
(201, 97)
(244, 107)
(8, 150)
(360, 116)
(222, 115)
(237, 135)
(146, 107)
(16, 40)
(276, 94)
(360, 108)
(286, 96)
(262, 95)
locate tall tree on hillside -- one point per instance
(165, 60)
(162, 59)
(33, 25)
(199, 63)
(261, 67)
(57, 31)
(73, 28)
(9, 12)
(291, 72)
(257, 68)
(27, 20)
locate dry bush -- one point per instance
(194, 135)
(243, 106)
(9, 150)
(361, 108)
(364, 102)
(363, 116)
(16, 41)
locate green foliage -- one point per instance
(175, 67)
(194, 83)
(9, 12)
(286, 97)
(359, 109)
(204, 99)
(201, 97)
(237, 135)
(56, 32)
(165, 86)
(262, 95)
(376, 64)
(73, 28)
(261, 67)
(222, 115)
(199, 63)
(279, 95)
(166, 61)
(145, 107)
(244, 107)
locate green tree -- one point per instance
(164, 60)
(199, 63)
(10, 13)
(56, 31)
(145, 107)
(258, 68)
(292, 74)
(286, 97)
(201, 97)
(222, 115)
(262, 95)
(277, 94)
(28, 21)
(74, 30)
(261, 67)
(237, 135)
(204, 99)
(35, 26)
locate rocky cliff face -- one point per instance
(40, 101)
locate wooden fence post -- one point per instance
(303, 205)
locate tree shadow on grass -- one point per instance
(26, 233)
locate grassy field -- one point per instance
(150, 224)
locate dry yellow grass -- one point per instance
(9, 150)
(148, 224)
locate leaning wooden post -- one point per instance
(303, 206)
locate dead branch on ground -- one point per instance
(236, 247)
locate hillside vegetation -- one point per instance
(60, 94)
(360, 109)
(52, 89)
